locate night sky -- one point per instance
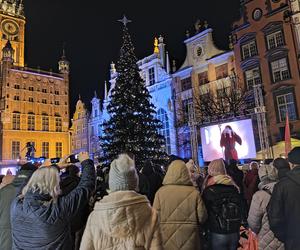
(93, 36)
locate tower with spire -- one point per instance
(30, 99)
(12, 28)
(64, 64)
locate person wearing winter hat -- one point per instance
(220, 194)
(258, 217)
(284, 206)
(250, 182)
(123, 219)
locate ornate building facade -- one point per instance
(266, 47)
(79, 129)
(205, 69)
(34, 103)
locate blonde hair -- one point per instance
(44, 180)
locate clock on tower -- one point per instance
(12, 28)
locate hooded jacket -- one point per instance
(258, 218)
(40, 223)
(181, 210)
(122, 220)
(8, 193)
(283, 210)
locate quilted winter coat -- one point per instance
(258, 219)
(39, 223)
(181, 210)
(122, 220)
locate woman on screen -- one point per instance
(228, 140)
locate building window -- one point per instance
(30, 99)
(222, 71)
(186, 83)
(252, 77)
(56, 92)
(17, 86)
(56, 102)
(203, 78)
(17, 98)
(58, 125)
(58, 149)
(280, 70)
(223, 92)
(96, 113)
(286, 103)
(31, 122)
(30, 89)
(16, 121)
(44, 101)
(165, 130)
(78, 144)
(44, 90)
(45, 123)
(187, 109)
(15, 150)
(45, 149)
(151, 76)
(249, 50)
(275, 40)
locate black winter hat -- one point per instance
(282, 165)
(294, 156)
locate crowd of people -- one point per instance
(80, 206)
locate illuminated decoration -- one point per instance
(156, 49)
(132, 126)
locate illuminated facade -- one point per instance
(34, 103)
(12, 28)
(79, 129)
(267, 49)
(206, 68)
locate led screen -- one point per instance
(231, 140)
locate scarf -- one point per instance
(220, 179)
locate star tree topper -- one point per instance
(124, 20)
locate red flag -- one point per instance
(287, 136)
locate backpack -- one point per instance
(228, 213)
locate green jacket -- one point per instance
(7, 195)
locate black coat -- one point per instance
(213, 194)
(284, 210)
(39, 223)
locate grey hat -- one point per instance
(122, 174)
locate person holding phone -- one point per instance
(40, 217)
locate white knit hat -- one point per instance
(122, 174)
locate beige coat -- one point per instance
(181, 210)
(122, 220)
(258, 219)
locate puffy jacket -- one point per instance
(283, 210)
(122, 220)
(39, 223)
(258, 219)
(181, 209)
(7, 194)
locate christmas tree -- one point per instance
(132, 127)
